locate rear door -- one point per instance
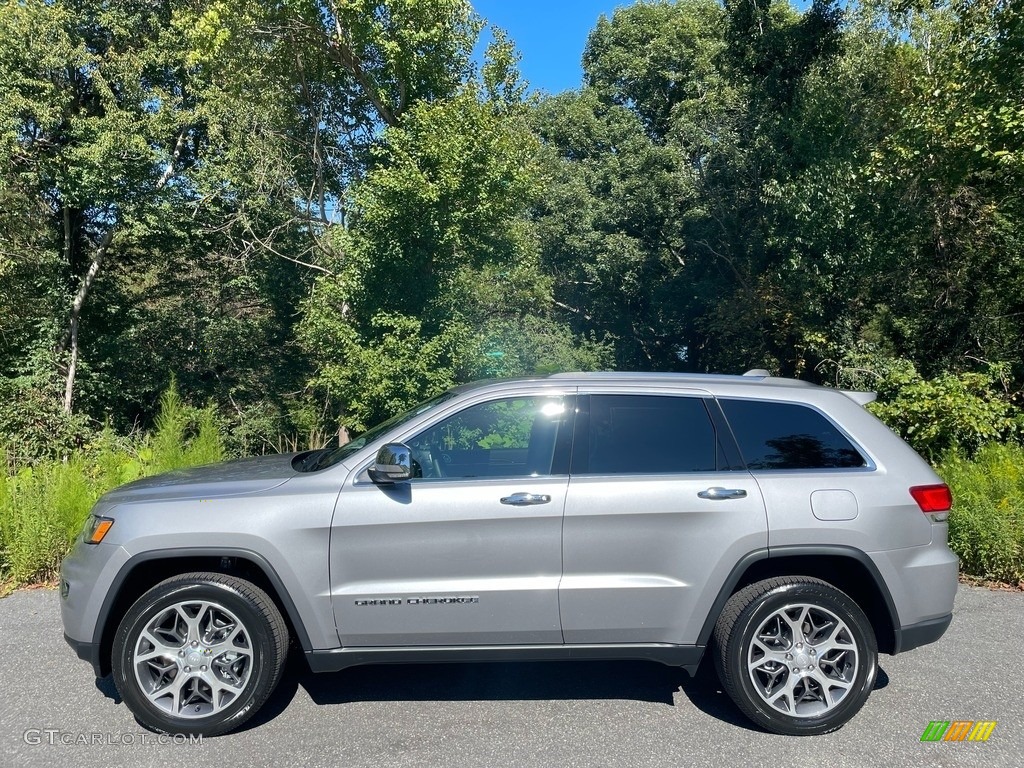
(657, 513)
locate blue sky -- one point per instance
(550, 35)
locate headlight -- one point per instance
(95, 529)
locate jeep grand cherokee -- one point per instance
(776, 524)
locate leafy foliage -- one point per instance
(32, 423)
(747, 185)
(43, 506)
(961, 411)
(440, 266)
(986, 526)
(387, 373)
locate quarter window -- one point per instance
(788, 436)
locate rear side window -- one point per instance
(634, 434)
(788, 436)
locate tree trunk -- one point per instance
(70, 340)
(76, 314)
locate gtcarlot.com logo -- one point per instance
(53, 736)
(958, 730)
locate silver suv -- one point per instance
(574, 516)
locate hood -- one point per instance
(230, 478)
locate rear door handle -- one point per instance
(525, 499)
(723, 493)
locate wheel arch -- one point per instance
(147, 569)
(846, 568)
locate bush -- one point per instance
(986, 526)
(953, 411)
(43, 506)
(41, 510)
(33, 424)
(184, 437)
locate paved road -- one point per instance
(543, 715)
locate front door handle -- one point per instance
(525, 499)
(723, 493)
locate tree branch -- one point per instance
(267, 246)
(574, 310)
(339, 50)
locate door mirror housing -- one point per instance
(392, 465)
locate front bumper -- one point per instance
(86, 576)
(87, 652)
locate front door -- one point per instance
(468, 552)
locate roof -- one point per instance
(752, 378)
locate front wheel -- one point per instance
(199, 653)
(796, 655)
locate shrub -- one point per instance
(986, 526)
(43, 506)
(33, 424)
(184, 437)
(960, 411)
(41, 510)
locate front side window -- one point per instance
(513, 437)
(639, 434)
(324, 458)
(773, 435)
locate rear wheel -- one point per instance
(199, 653)
(796, 655)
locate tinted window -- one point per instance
(632, 434)
(788, 436)
(515, 437)
(328, 458)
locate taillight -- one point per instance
(932, 498)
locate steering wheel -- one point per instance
(426, 457)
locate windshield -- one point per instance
(331, 457)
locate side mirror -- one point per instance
(392, 465)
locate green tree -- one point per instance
(748, 185)
(175, 174)
(662, 222)
(439, 260)
(953, 159)
(610, 223)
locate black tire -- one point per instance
(779, 699)
(236, 641)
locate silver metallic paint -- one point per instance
(614, 559)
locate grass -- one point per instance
(986, 526)
(43, 507)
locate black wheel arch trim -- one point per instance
(727, 590)
(256, 558)
(802, 550)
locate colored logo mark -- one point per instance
(958, 730)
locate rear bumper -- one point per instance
(922, 633)
(922, 582)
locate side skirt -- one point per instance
(334, 660)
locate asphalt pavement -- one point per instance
(54, 712)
